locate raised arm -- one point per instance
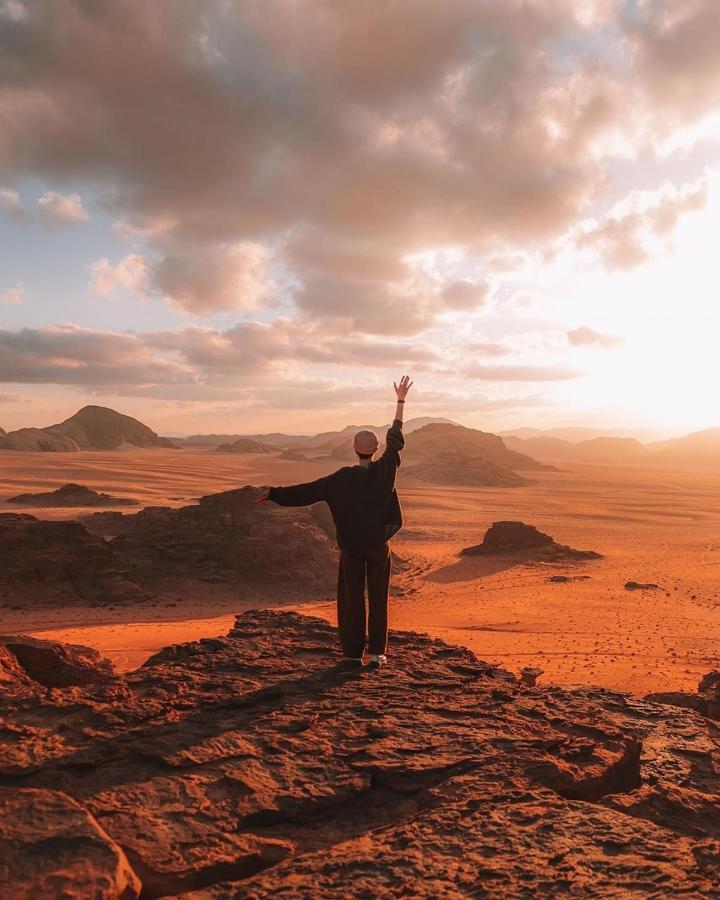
(402, 391)
(394, 440)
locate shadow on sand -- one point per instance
(469, 568)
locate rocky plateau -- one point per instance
(252, 766)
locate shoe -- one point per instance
(377, 660)
(351, 662)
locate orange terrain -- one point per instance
(651, 526)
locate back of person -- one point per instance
(366, 511)
(363, 500)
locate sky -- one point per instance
(253, 215)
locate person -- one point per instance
(366, 511)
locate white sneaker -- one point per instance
(377, 660)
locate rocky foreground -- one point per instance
(252, 766)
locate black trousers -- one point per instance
(373, 568)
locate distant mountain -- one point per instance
(245, 445)
(437, 438)
(2, 430)
(459, 469)
(698, 448)
(323, 442)
(91, 428)
(609, 449)
(572, 434)
(541, 447)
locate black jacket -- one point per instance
(362, 499)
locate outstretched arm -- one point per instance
(296, 494)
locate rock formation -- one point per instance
(227, 538)
(517, 537)
(640, 586)
(455, 468)
(58, 563)
(92, 428)
(245, 445)
(249, 766)
(706, 701)
(440, 438)
(293, 455)
(70, 495)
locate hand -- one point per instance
(263, 494)
(402, 388)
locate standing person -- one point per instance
(366, 511)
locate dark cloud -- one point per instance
(676, 54)
(584, 336)
(342, 137)
(195, 363)
(70, 355)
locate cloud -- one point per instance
(630, 233)
(463, 295)
(210, 279)
(192, 362)
(339, 140)
(13, 296)
(59, 209)
(10, 203)
(488, 349)
(676, 54)
(130, 273)
(584, 336)
(71, 355)
(51, 208)
(521, 373)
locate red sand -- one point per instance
(652, 526)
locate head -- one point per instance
(365, 445)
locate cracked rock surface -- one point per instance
(252, 766)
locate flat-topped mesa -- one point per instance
(70, 495)
(248, 765)
(518, 537)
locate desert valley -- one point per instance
(174, 724)
(653, 522)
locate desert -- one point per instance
(359, 450)
(651, 525)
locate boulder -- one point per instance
(639, 586)
(57, 665)
(70, 495)
(52, 847)
(518, 537)
(252, 766)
